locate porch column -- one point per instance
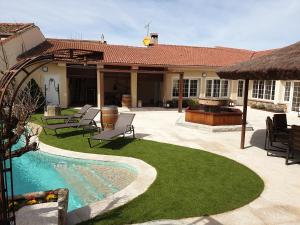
(180, 94)
(133, 88)
(244, 121)
(279, 92)
(63, 84)
(100, 87)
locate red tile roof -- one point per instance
(160, 55)
(10, 30)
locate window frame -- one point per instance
(290, 97)
(221, 85)
(261, 90)
(189, 87)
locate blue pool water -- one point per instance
(87, 180)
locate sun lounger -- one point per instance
(86, 120)
(123, 126)
(68, 118)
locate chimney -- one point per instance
(154, 38)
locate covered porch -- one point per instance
(144, 85)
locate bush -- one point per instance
(269, 107)
(260, 106)
(193, 104)
(253, 105)
(36, 93)
(185, 103)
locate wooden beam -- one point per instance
(244, 121)
(131, 70)
(180, 96)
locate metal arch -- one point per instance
(7, 216)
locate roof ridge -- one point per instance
(206, 47)
(92, 41)
(235, 49)
(188, 46)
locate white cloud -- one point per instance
(252, 24)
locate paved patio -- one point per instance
(279, 202)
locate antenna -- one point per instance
(147, 26)
(102, 38)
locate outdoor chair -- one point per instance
(294, 144)
(68, 118)
(86, 121)
(123, 126)
(280, 122)
(274, 136)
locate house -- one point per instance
(150, 75)
(15, 39)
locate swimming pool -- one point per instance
(87, 180)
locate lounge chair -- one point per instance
(68, 118)
(85, 121)
(123, 126)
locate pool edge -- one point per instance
(146, 175)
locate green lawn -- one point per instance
(189, 182)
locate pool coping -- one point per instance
(146, 175)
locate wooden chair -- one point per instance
(280, 122)
(274, 136)
(294, 144)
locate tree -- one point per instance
(14, 117)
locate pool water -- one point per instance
(88, 181)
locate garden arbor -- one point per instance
(279, 64)
(14, 117)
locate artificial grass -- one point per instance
(189, 182)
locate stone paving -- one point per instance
(279, 204)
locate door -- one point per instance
(240, 92)
(51, 89)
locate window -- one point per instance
(217, 88)
(175, 90)
(185, 88)
(263, 89)
(296, 97)
(287, 91)
(240, 88)
(190, 88)
(193, 88)
(224, 88)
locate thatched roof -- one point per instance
(280, 64)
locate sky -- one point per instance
(247, 24)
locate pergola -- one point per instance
(279, 64)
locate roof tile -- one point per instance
(163, 55)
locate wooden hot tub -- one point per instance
(225, 116)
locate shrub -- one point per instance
(253, 105)
(36, 93)
(269, 107)
(260, 106)
(193, 104)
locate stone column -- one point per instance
(233, 89)
(100, 86)
(63, 84)
(133, 87)
(279, 92)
